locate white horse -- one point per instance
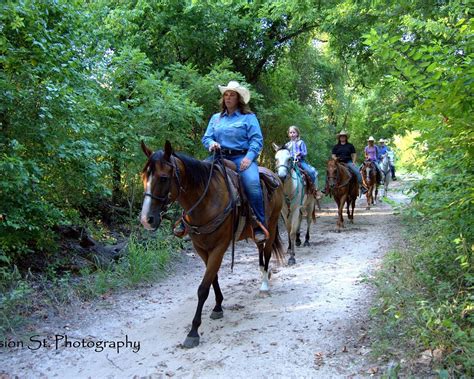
(386, 174)
(297, 202)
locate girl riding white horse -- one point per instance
(297, 200)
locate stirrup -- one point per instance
(261, 235)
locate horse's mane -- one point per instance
(197, 172)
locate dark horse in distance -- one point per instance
(343, 186)
(203, 191)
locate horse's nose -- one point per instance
(150, 220)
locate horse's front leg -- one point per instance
(309, 216)
(353, 203)
(349, 216)
(293, 229)
(340, 209)
(213, 263)
(369, 200)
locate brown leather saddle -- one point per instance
(268, 180)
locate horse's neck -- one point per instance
(190, 196)
(342, 172)
(295, 182)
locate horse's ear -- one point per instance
(275, 146)
(168, 150)
(146, 150)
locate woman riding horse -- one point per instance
(345, 152)
(205, 193)
(235, 131)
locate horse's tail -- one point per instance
(277, 248)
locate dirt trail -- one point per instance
(313, 323)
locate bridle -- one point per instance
(289, 201)
(175, 174)
(336, 178)
(165, 182)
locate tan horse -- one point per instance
(343, 186)
(208, 207)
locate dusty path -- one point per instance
(312, 325)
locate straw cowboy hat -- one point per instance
(236, 87)
(371, 139)
(381, 140)
(342, 133)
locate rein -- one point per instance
(338, 166)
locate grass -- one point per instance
(425, 302)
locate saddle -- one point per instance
(309, 185)
(269, 182)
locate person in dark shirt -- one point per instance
(345, 152)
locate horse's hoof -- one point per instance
(298, 243)
(217, 315)
(306, 243)
(191, 342)
(291, 261)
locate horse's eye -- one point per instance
(163, 179)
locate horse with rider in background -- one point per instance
(299, 199)
(343, 185)
(386, 172)
(370, 180)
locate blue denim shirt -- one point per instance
(382, 150)
(236, 132)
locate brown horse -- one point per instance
(369, 178)
(204, 194)
(344, 187)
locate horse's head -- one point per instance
(369, 171)
(331, 173)
(282, 161)
(157, 175)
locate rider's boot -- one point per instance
(180, 229)
(315, 192)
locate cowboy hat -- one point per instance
(342, 133)
(236, 87)
(371, 139)
(381, 140)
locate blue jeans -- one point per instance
(313, 173)
(355, 170)
(251, 182)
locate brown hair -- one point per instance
(243, 108)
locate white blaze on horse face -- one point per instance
(282, 161)
(146, 204)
